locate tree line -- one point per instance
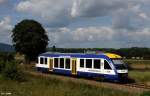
(129, 53)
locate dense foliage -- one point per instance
(6, 56)
(9, 68)
(29, 38)
(12, 71)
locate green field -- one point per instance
(140, 76)
(138, 64)
(140, 70)
(42, 86)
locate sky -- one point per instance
(82, 23)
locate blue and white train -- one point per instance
(103, 65)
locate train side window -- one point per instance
(55, 62)
(41, 60)
(106, 65)
(88, 63)
(45, 61)
(67, 62)
(82, 63)
(97, 64)
(61, 62)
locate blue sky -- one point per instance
(82, 23)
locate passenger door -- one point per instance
(50, 64)
(74, 66)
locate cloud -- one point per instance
(95, 8)
(68, 37)
(5, 30)
(55, 12)
(2, 1)
(133, 38)
(130, 21)
(103, 37)
(93, 34)
(127, 14)
(135, 17)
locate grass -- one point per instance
(138, 64)
(42, 86)
(140, 76)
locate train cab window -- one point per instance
(88, 63)
(55, 62)
(106, 65)
(61, 62)
(67, 62)
(82, 63)
(97, 64)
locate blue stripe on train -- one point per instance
(79, 73)
(106, 76)
(61, 71)
(41, 69)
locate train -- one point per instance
(108, 66)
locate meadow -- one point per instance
(140, 76)
(139, 70)
(42, 86)
(138, 64)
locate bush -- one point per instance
(2, 65)
(6, 56)
(12, 71)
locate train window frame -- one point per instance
(83, 63)
(67, 65)
(41, 59)
(107, 66)
(96, 67)
(61, 63)
(91, 66)
(57, 63)
(44, 60)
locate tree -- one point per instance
(29, 38)
(54, 48)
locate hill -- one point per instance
(6, 48)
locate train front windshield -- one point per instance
(119, 64)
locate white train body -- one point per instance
(105, 65)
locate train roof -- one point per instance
(82, 55)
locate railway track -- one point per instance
(138, 85)
(130, 87)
